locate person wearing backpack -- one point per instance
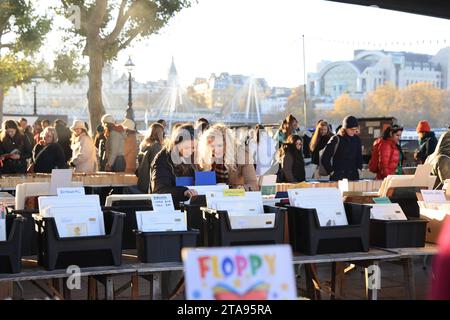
(342, 156)
(386, 156)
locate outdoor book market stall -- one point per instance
(143, 236)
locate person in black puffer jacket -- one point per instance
(292, 162)
(15, 148)
(427, 141)
(347, 159)
(64, 138)
(173, 161)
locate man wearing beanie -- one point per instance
(427, 141)
(342, 156)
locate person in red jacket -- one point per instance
(389, 159)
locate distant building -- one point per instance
(370, 69)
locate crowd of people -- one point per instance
(237, 157)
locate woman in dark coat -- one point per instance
(15, 148)
(64, 138)
(150, 147)
(344, 161)
(292, 162)
(173, 161)
(48, 154)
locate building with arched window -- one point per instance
(370, 69)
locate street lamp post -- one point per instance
(129, 112)
(35, 80)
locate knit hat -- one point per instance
(349, 122)
(423, 126)
(107, 118)
(78, 124)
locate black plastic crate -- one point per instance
(398, 234)
(194, 216)
(129, 207)
(11, 249)
(218, 231)
(29, 234)
(57, 253)
(153, 247)
(308, 237)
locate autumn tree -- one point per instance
(22, 32)
(382, 101)
(345, 105)
(108, 26)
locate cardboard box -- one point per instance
(436, 219)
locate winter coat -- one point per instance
(440, 160)
(20, 144)
(49, 157)
(163, 174)
(389, 157)
(427, 145)
(114, 148)
(347, 159)
(292, 165)
(143, 171)
(130, 152)
(323, 140)
(84, 154)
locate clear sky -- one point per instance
(263, 38)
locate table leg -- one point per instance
(109, 288)
(373, 280)
(135, 287)
(156, 290)
(408, 276)
(313, 294)
(337, 280)
(92, 288)
(6, 290)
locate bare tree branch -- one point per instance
(122, 18)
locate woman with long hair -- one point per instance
(292, 161)
(288, 127)
(175, 160)
(131, 146)
(15, 148)
(84, 157)
(319, 140)
(149, 148)
(48, 153)
(218, 151)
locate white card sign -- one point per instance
(61, 178)
(70, 192)
(240, 273)
(387, 211)
(162, 202)
(433, 196)
(327, 202)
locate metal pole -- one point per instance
(130, 100)
(35, 103)
(304, 81)
(130, 112)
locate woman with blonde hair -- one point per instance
(48, 153)
(219, 152)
